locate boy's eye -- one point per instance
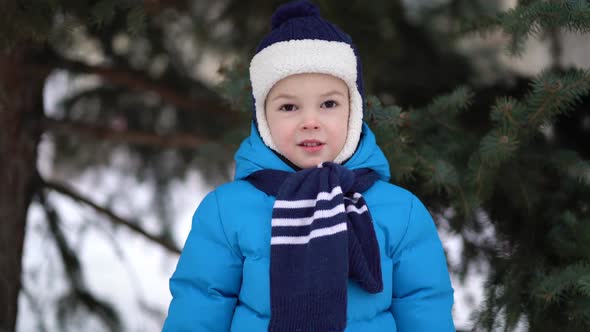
(287, 107)
(330, 104)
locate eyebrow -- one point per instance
(329, 93)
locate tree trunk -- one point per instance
(21, 106)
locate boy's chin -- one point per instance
(310, 163)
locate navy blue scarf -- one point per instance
(322, 235)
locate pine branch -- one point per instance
(571, 164)
(379, 115)
(516, 121)
(33, 21)
(154, 7)
(575, 278)
(453, 103)
(553, 94)
(508, 113)
(235, 87)
(177, 141)
(534, 18)
(444, 109)
(115, 219)
(136, 20)
(138, 81)
(498, 146)
(445, 176)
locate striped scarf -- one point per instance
(322, 235)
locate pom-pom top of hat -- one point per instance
(299, 8)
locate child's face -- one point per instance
(308, 117)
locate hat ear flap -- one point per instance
(301, 41)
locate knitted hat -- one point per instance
(301, 41)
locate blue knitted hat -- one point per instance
(301, 41)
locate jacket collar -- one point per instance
(253, 155)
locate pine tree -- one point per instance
(503, 172)
(538, 188)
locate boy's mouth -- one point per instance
(310, 142)
(311, 145)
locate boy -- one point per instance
(310, 236)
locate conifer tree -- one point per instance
(503, 172)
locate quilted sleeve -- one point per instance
(208, 276)
(422, 292)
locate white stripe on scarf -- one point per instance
(318, 214)
(305, 203)
(313, 234)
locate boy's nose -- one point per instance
(310, 126)
(310, 121)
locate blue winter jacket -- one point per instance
(221, 282)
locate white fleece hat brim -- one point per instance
(283, 59)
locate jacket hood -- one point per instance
(253, 155)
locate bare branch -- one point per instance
(112, 216)
(180, 141)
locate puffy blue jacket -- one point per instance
(221, 282)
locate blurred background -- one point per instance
(118, 116)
